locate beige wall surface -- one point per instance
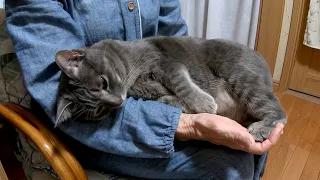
(283, 39)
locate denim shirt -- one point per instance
(39, 28)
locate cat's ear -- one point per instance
(63, 111)
(69, 62)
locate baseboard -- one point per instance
(304, 96)
(275, 86)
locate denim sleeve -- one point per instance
(170, 21)
(143, 129)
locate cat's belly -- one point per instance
(149, 89)
(228, 107)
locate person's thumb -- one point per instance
(276, 133)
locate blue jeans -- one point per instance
(191, 160)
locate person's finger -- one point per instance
(233, 145)
(244, 139)
(275, 133)
(260, 148)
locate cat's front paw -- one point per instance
(202, 104)
(261, 130)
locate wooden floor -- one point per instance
(297, 154)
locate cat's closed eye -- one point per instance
(104, 83)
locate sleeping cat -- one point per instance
(196, 75)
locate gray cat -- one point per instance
(196, 75)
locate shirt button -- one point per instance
(131, 6)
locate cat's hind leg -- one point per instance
(266, 109)
(175, 77)
(249, 81)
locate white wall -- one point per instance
(1, 4)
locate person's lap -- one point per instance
(193, 160)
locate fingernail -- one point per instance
(281, 132)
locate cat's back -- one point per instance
(231, 55)
(212, 46)
(229, 48)
(174, 42)
(220, 53)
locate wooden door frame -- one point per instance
(293, 43)
(269, 30)
(270, 15)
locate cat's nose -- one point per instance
(114, 101)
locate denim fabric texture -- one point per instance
(138, 138)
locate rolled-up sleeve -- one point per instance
(139, 128)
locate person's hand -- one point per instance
(220, 130)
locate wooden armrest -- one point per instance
(60, 158)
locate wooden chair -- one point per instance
(60, 158)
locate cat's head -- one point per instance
(90, 86)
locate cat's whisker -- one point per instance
(92, 113)
(133, 76)
(89, 114)
(136, 71)
(101, 122)
(129, 56)
(135, 63)
(79, 111)
(79, 114)
(105, 49)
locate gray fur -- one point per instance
(197, 75)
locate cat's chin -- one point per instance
(98, 118)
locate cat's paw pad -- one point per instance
(260, 131)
